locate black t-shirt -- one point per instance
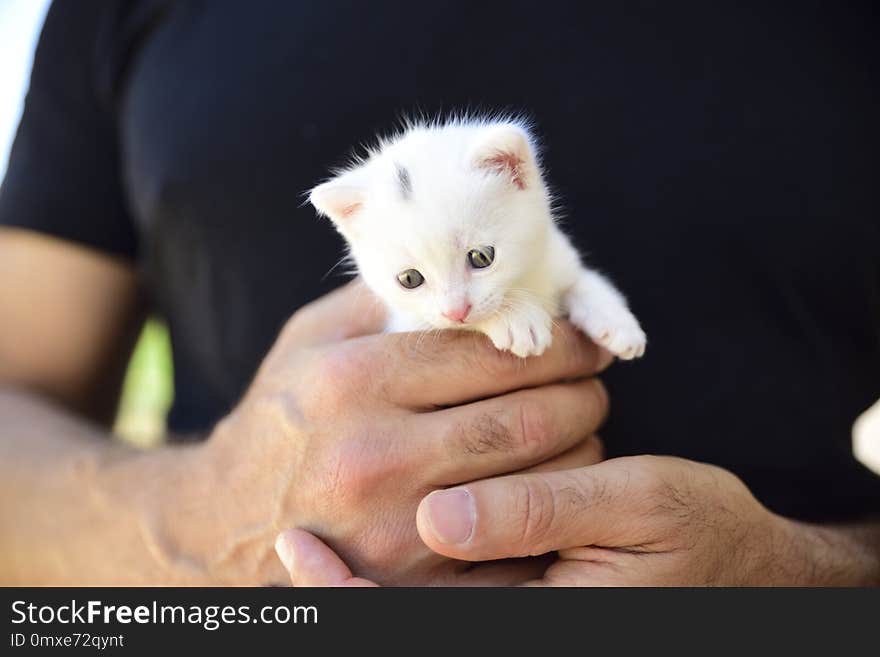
(718, 162)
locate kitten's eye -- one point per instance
(481, 257)
(410, 278)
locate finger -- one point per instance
(349, 311)
(507, 433)
(506, 572)
(588, 452)
(311, 563)
(519, 515)
(427, 371)
(577, 580)
(591, 571)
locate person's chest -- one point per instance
(707, 172)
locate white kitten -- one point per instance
(451, 226)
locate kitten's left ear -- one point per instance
(506, 149)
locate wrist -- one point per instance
(226, 518)
(154, 494)
(831, 555)
(186, 506)
(180, 518)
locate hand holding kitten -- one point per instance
(343, 432)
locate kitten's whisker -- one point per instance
(345, 258)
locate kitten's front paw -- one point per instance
(615, 328)
(523, 335)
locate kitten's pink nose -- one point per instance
(458, 314)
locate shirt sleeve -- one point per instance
(64, 177)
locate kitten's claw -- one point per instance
(523, 336)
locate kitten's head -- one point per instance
(445, 220)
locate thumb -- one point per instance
(537, 512)
(348, 312)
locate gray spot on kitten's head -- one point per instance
(404, 181)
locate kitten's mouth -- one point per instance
(450, 323)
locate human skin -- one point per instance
(633, 521)
(342, 431)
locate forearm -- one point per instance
(831, 555)
(79, 508)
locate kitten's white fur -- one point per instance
(423, 199)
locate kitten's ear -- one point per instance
(505, 149)
(340, 199)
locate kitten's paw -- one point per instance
(614, 328)
(523, 335)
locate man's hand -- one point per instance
(342, 431)
(344, 434)
(636, 521)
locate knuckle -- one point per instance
(366, 463)
(483, 434)
(664, 494)
(536, 509)
(645, 476)
(535, 428)
(338, 373)
(348, 473)
(524, 429)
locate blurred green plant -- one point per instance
(148, 388)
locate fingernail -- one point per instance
(284, 549)
(451, 514)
